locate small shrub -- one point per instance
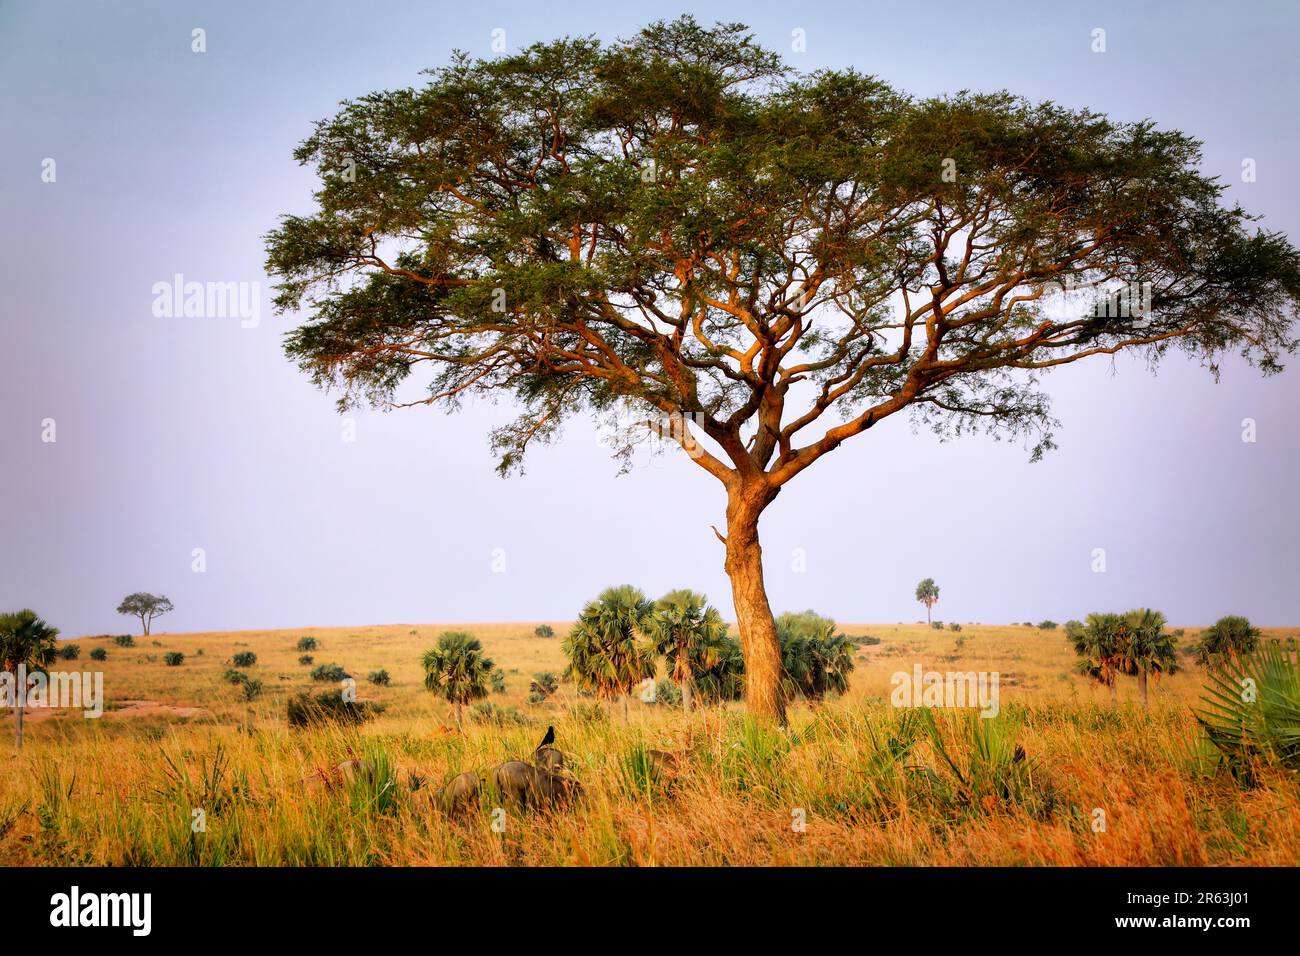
(305, 660)
(544, 630)
(328, 672)
(497, 681)
(98, 654)
(173, 658)
(69, 652)
(866, 640)
(667, 693)
(244, 659)
(379, 678)
(1047, 625)
(252, 688)
(233, 676)
(486, 712)
(954, 626)
(306, 709)
(307, 644)
(124, 640)
(543, 685)
(937, 625)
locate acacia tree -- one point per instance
(145, 606)
(773, 262)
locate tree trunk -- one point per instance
(927, 613)
(1142, 686)
(684, 666)
(744, 566)
(144, 625)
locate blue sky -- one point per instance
(175, 434)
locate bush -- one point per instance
(542, 686)
(307, 644)
(1229, 637)
(69, 652)
(252, 688)
(124, 640)
(379, 678)
(1047, 625)
(543, 630)
(486, 712)
(667, 693)
(497, 681)
(866, 640)
(173, 658)
(954, 626)
(98, 654)
(306, 659)
(233, 676)
(328, 672)
(245, 659)
(937, 625)
(329, 707)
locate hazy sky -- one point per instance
(174, 434)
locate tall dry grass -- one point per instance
(852, 782)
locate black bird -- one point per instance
(548, 739)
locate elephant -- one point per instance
(461, 794)
(526, 786)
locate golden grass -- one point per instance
(123, 789)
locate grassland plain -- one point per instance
(182, 770)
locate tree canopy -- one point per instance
(759, 263)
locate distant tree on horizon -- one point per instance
(145, 606)
(1228, 638)
(1145, 649)
(927, 592)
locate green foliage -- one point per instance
(1097, 644)
(497, 681)
(98, 654)
(608, 652)
(667, 692)
(486, 712)
(456, 669)
(1047, 625)
(233, 676)
(252, 687)
(379, 678)
(689, 634)
(815, 660)
(1252, 708)
(927, 592)
(69, 652)
(305, 659)
(329, 672)
(544, 630)
(124, 640)
(937, 625)
(244, 659)
(954, 626)
(27, 641)
(173, 658)
(145, 606)
(330, 707)
(307, 644)
(1229, 637)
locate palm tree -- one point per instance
(927, 592)
(1098, 645)
(686, 631)
(457, 670)
(27, 643)
(1145, 648)
(1228, 639)
(816, 661)
(607, 652)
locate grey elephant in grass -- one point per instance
(538, 785)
